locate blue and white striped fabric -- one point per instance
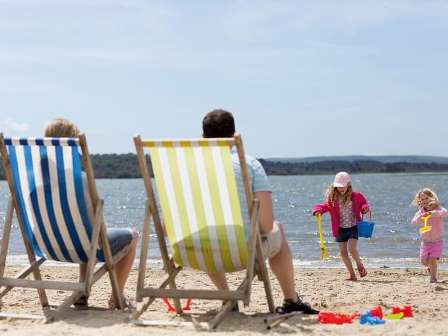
(48, 181)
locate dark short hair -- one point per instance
(218, 124)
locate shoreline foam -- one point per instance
(333, 262)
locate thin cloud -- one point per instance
(12, 127)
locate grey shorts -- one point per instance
(119, 239)
(272, 241)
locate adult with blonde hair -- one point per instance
(118, 238)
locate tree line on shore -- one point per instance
(358, 166)
(126, 166)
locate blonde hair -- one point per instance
(332, 195)
(61, 128)
(432, 198)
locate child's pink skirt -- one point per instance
(431, 250)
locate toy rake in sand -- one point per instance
(426, 227)
(323, 248)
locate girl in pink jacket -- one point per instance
(431, 247)
(346, 208)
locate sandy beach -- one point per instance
(326, 289)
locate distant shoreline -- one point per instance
(122, 166)
(353, 167)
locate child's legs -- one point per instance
(353, 249)
(434, 251)
(430, 250)
(432, 263)
(346, 258)
(424, 254)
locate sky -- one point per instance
(302, 78)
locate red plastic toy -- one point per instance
(172, 309)
(406, 310)
(377, 311)
(336, 318)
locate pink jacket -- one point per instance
(436, 223)
(359, 206)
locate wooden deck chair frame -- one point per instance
(256, 260)
(99, 238)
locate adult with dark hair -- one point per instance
(221, 124)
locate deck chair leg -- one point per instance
(93, 246)
(37, 276)
(22, 275)
(177, 304)
(254, 239)
(143, 253)
(264, 275)
(6, 235)
(221, 314)
(228, 305)
(111, 270)
(76, 295)
(32, 260)
(41, 292)
(69, 301)
(142, 306)
(34, 265)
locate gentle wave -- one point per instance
(332, 262)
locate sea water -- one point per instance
(395, 243)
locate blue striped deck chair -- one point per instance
(202, 220)
(45, 178)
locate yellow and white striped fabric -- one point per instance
(200, 206)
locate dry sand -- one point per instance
(325, 289)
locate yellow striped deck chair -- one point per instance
(202, 220)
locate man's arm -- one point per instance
(266, 212)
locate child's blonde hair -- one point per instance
(432, 197)
(332, 195)
(61, 128)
